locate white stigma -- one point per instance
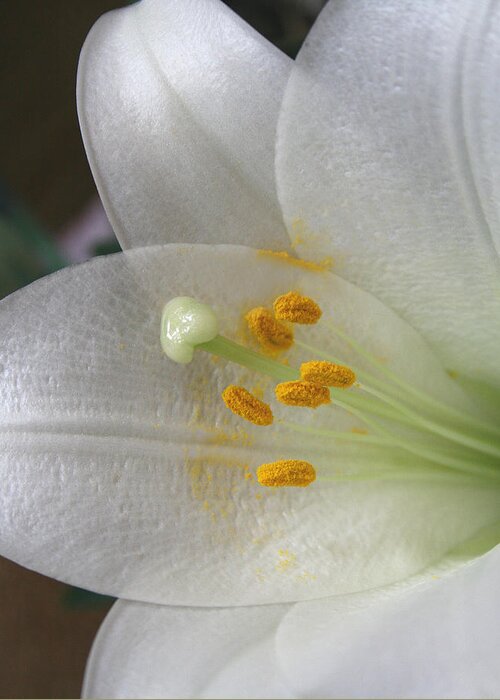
(185, 323)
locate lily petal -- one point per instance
(388, 159)
(165, 652)
(438, 639)
(124, 472)
(165, 91)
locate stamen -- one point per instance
(301, 393)
(272, 334)
(296, 308)
(359, 405)
(286, 472)
(461, 446)
(246, 405)
(327, 373)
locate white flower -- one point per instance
(124, 472)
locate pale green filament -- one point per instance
(359, 405)
(227, 349)
(425, 475)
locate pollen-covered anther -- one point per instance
(272, 334)
(296, 308)
(246, 405)
(327, 373)
(286, 472)
(300, 393)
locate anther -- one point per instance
(327, 373)
(272, 334)
(300, 393)
(246, 405)
(286, 472)
(296, 308)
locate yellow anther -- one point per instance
(272, 334)
(302, 394)
(327, 373)
(296, 308)
(246, 405)
(286, 472)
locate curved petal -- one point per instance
(178, 103)
(125, 473)
(437, 640)
(150, 651)
(388, 159)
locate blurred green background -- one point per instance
(50, 217)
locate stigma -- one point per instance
(185, 323)
(286, 472)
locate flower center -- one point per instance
(438, 441)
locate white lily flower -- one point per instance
(125, 473)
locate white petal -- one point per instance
(178, 103)
(151, 651)
(125, 473)
(388, 159)
(436, 640)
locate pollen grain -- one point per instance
(300, 393)
(246, 405)
(284, 256)
(296, 308)
(327, 373)
(286, 472)
(273, 335)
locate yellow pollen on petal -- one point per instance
(272, 334)
(296, 308)
(286, 472)
(301, 393)
(284, 256)
(327, 373)
(246, 405)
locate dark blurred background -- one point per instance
(50, 216)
